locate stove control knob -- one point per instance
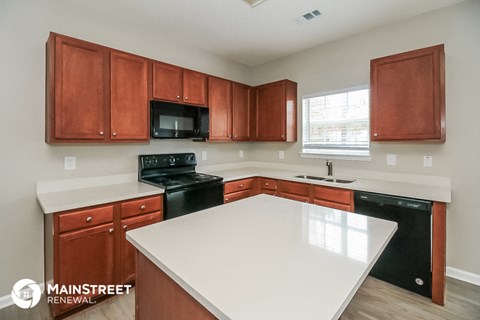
(188, 158)
(154, 161)
(147, 162)
(171, 160)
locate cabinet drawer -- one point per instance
(237, 196)
(238, 185)
(141, 206)
(268, 184)
(333, 194)
(334, 205)
(302, 189)
(85, 218)
(295, 197)
(270, 192)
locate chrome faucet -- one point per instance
(329, 165)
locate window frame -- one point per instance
(304, 154)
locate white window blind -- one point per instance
(337, 123)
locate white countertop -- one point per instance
(68, 194)
(266, 257)
(419, 190)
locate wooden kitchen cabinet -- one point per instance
(89, 246)
(336, 198)
(276, 111)
(77, 90)
(94, 93)
(268, 186)
(127, 258)
(294, 190)
(238, 189)
(241, 112)
(129, 97)
(408, 96)
(175, 84)
(220, 105)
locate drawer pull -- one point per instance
(142, 207)
(240, 186)
(89, 219)
(266, 184)
(226, 199)
(110, 230)
(125, 227)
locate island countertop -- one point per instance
(267, 258)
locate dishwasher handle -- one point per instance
(382, 199)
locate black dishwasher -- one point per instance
(406, 261)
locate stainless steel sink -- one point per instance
(325, 179)
(339, 180)
(310, 177)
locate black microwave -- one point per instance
(178, 121)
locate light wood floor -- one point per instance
(376, 300)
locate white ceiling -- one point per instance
(252, 36)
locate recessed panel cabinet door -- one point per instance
(79, 90)
(241, 112)
(220, 104)
(270, 124)
(194, 88)
(86, 257)
(167, 82)
(129, 97)
(408, 96)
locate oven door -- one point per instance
(187, 200)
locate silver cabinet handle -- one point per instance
(375, 134)
(114, 134)
(178, 97)
(101, 133)
(186, 98)
(240, 186)
(142, 207)
(266, 184)
(125, 227)
(89, 219)
(110, 230)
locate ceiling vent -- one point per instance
(253, 3)
(308, 16)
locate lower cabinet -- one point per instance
(336, 198)
(89, 246)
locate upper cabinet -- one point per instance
(276, 111)
(408, 96)
(77, 93)
(95, 94)
(220, 105)
(241, 112)
(129, 97)
(172, 83)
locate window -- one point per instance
(337, 124)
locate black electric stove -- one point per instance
(186, 191)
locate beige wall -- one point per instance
(345, 63)
(25, 158)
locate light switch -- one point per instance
(204, 155)
(240, 154)
(427, 161)
(70, 163)
(391, 159)
(281, 155)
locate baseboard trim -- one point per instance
(7, 301)
(463, 275)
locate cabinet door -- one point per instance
(86, 257)
(77, 75)
(408, 96)
(129, 97)
(127, 259)
(167, 82)
(241, 112)
(270, 106)
(220, 104)
(194, 88)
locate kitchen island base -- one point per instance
(158, 297)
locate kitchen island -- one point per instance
(259, 258)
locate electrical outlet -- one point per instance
(70, 163)
(281, 155)
(427, 161)
(240, 154)
(204, 155)
(391, 159)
